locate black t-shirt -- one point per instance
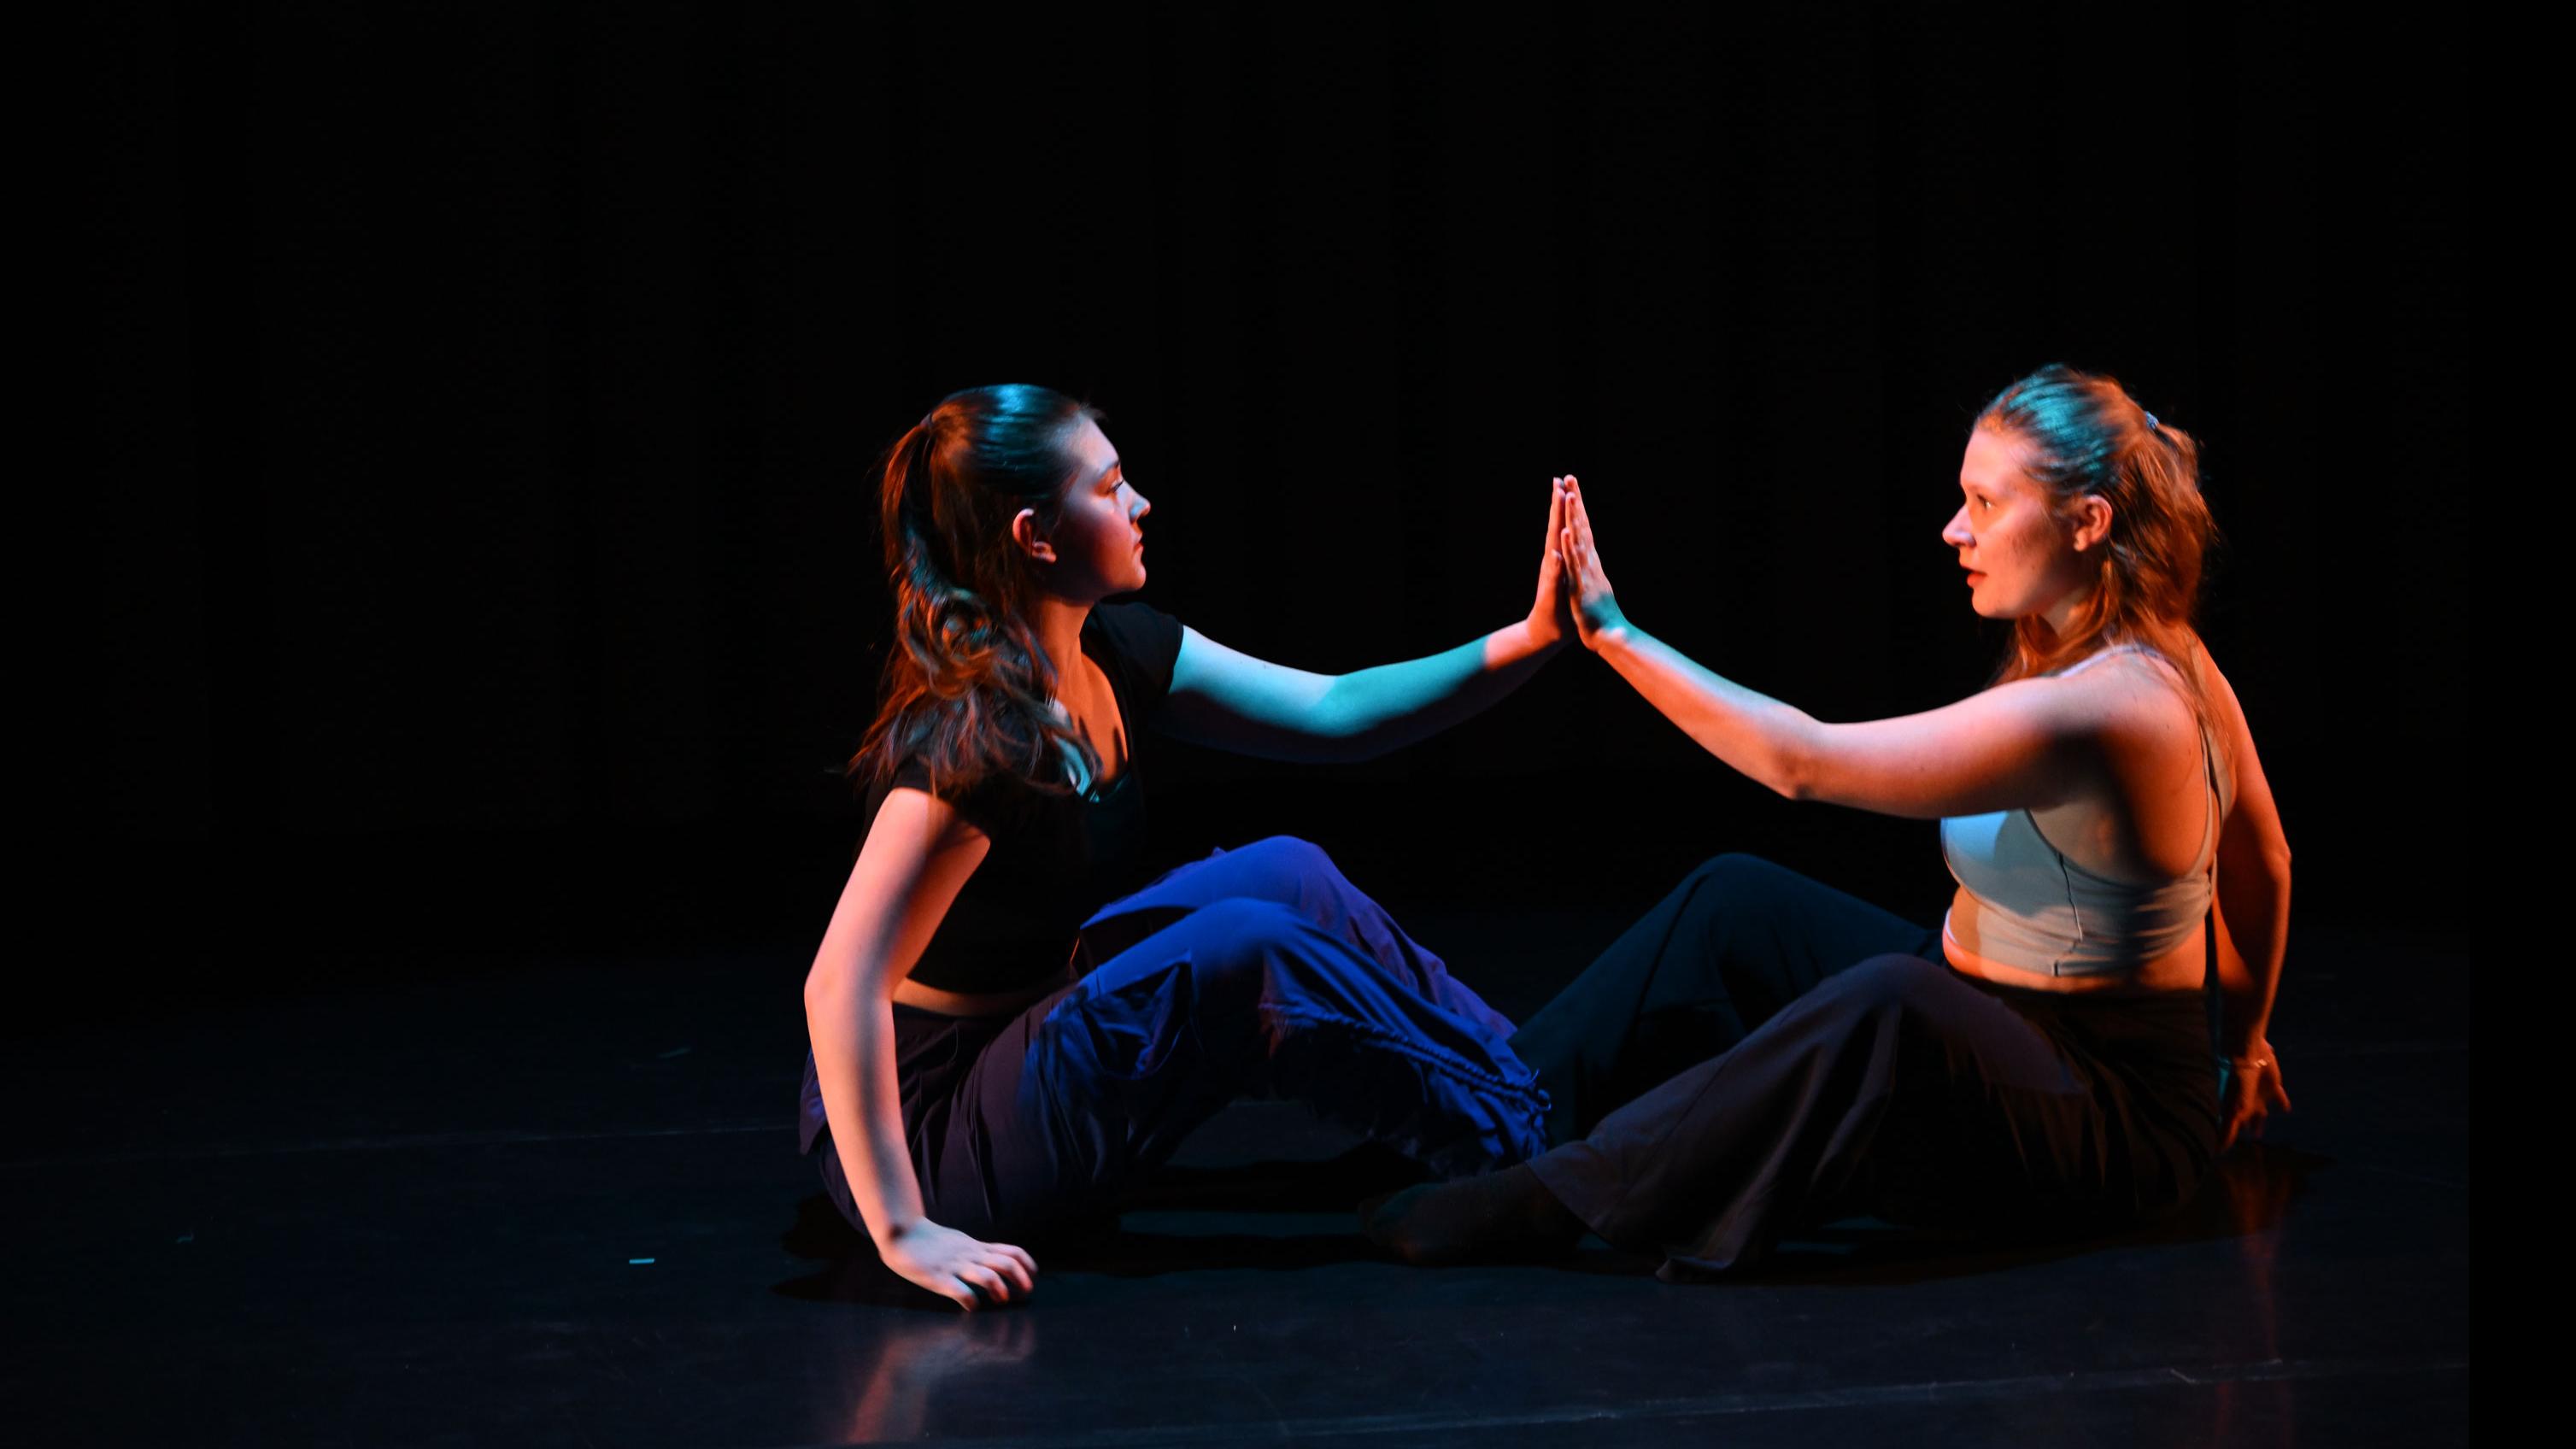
(1055, 858)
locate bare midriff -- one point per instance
(975, 1003)
(2179, 969)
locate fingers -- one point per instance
(2245, 1121)
(986, 1281)
(976, 1285)
(2242, 1109)
(1554, 563)
(1017, 1271)
(1577, 526)
(1000, 1273)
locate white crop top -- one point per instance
(2023, 904)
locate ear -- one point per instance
(1024, 532)
(2092, 521)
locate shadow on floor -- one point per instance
(2250, 1191)
(852, 1273)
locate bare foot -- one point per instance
(1499, 1217)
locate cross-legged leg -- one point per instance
(1237, 997)
(1733, 944)
(1299, 875)
(1896, 1087)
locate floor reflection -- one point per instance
(914, 1363)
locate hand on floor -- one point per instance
(958, 1268)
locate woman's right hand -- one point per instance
(1596, 610)
(958, 1268)
(2253, 1091)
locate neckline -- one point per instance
(1101, 790)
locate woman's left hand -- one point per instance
(1551, 615)
(2254, 1091)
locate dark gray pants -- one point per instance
(1761, 1052)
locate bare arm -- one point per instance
(918, 854)
(2253, 925)
(2031, 743)
(1231, 700)
(2253, 882)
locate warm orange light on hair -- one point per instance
(2085, 435)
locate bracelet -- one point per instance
(2245, 1064)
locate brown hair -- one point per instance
(2083, 434)
(966, 686)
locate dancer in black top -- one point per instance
(1004, 1028)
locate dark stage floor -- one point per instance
(559, 1203)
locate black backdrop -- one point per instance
(486, 398)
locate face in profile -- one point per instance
(2020, 557)
(1098, 538)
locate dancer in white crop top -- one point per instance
(2044, 1052)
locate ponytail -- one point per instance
(967, 690)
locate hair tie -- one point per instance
(2152, 424)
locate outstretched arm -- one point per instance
(2029, 743)
(1233, 701)
(918, 853)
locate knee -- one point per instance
(1734, 873)
(1732, 888)
(1288, 855)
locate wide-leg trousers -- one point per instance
(1258, 972)
(1762, 1052)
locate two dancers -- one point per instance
(1005, 1027)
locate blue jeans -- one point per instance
(1256, 972)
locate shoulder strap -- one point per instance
(2098, 655)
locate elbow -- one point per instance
(1330, 736)
(2275, 855)
(829, 984)
(822, 984)
(836, 985)
(1337, 734)
(1794, 772)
